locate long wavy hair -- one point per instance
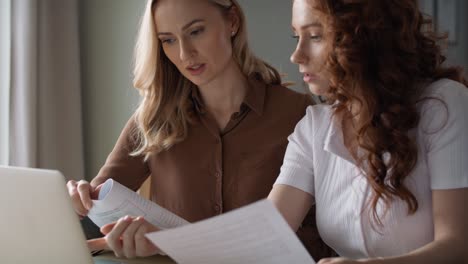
(381, 55)
(165, 110)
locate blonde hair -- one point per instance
(165, 110)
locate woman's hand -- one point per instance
(377, 260)
(340, 261)
(81, 194)
(126, 238)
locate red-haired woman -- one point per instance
(386, 159)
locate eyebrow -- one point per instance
(313, 24)
(189, 24)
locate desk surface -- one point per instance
(109, 258)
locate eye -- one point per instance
(316, 37)
(197, 31)
(296, 37)
(167, 41)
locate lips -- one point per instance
(196, 69)
(309, 77)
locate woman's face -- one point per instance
(196, 38)
(312, 45)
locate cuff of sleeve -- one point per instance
(297, 178)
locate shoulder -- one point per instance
(446, 90)
(443, 99)
(317, 118)
(284, 103)
(443, 108)
(320, 112)
(129, 134)
(289, 101)
(131, 126)
(442, 133)
(285, 94)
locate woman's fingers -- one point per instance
(129, 238)
(72, 187)
(107, 228)
(337, 261)
(113, 238)
(81, 194)
(84, 189)
(143, 246)
(97, 244)
(126, 237)
(95, 191)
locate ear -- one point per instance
(234, 20)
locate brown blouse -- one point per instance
(212, 172)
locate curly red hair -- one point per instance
(382, 52)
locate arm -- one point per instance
(128, 170)
(450, 231)
(292, 203)
(293, 191)
(450, 234)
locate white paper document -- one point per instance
(256, 233)
(116, 201)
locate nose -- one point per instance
(299, 56)
(187, 51)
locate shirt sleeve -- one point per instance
(130, 171)
(297, 169)
(444, 126)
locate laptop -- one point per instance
(37, 221)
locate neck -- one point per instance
(225, 94)
(354, 110)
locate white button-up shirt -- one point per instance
(317, 162)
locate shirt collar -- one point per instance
(334, 141)
(254, 97)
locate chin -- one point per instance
(318, 90)
(201, 81)
(197, 81)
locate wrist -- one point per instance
(378, 260)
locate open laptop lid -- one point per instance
(37, 222)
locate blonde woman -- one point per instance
(212, 126)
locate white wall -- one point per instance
(270, 35)
(5, 40)
(108, 30)
(457, 53)
(450, 17)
